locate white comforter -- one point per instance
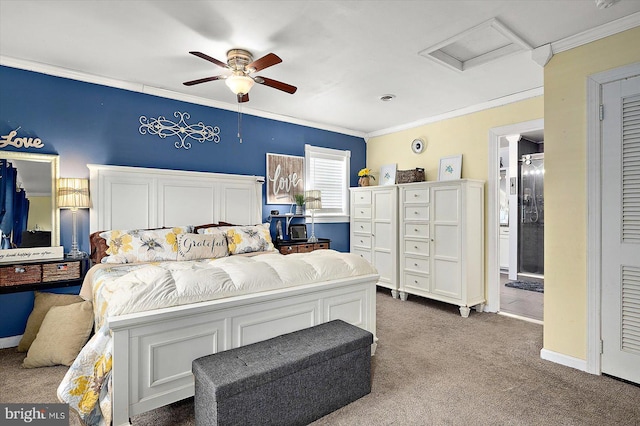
(121, 289)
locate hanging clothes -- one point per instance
(20, 216)
(6, 223)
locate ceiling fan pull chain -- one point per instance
(240, 121)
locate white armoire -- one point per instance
(442, 242)
(374, 230)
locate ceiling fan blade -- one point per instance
(210, 59)
(203, 80)
(243, 98)
(276, 84)
(264, 62)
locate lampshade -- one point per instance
(239, 84)
(312, 199)
(73, 193)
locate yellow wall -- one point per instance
(565, 109)
(467, 135)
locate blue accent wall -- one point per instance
(88, 123)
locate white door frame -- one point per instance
(493, 198)
(594, 208)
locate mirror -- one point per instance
(38, 174)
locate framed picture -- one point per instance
(285, 178)
(388, 174)
(450, 167)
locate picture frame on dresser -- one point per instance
(388, 174)
(298, 232)
(450, 168)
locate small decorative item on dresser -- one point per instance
(408, 176)
(364, 176)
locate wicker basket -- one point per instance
(408, 176)
(61, 271)
(20, 274)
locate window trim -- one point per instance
(336, 154)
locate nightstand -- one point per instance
(288, 246)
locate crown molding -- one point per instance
(164, 93)
(619, 25)
(516, 97)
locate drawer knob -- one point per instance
(415, 281)
(415, 195)
(361, 227)
(415, 230)
(289, 248)
(20, 270)
(415, 264)
(415, 212)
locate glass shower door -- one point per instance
(531, 226)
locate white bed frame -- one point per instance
(153, 351)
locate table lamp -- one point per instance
(313, 201)
(73, 193)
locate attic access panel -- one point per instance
(486, 42)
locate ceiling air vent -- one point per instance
(486, 42)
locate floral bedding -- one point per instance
(137, 287)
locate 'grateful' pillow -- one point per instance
(41, 304)
(63, 333)
(202, 246)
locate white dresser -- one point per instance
(442, 242)
(374, 230)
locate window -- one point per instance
(328, 171)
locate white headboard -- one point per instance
(140, 198)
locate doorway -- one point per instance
(500, 138)
(521, 232)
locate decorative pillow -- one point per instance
(202, 246)
(41, 305)
(247, 239)
(141, 245)
(64, 331)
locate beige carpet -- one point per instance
(432, 367)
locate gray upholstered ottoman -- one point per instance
(291, 379)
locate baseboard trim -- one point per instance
(520, 317)
(566, 360)
(9, 342)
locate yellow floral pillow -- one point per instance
(143, 245)
(247, 239)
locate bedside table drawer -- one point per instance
(20, 274)
(60, 271)
(288, 249)
(321, 246)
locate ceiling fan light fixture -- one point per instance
(239, 84)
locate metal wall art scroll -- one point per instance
(25, 142)
(163, 127)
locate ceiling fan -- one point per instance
(242, 65)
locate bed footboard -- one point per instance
(153, 351)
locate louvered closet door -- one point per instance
(621, 229)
